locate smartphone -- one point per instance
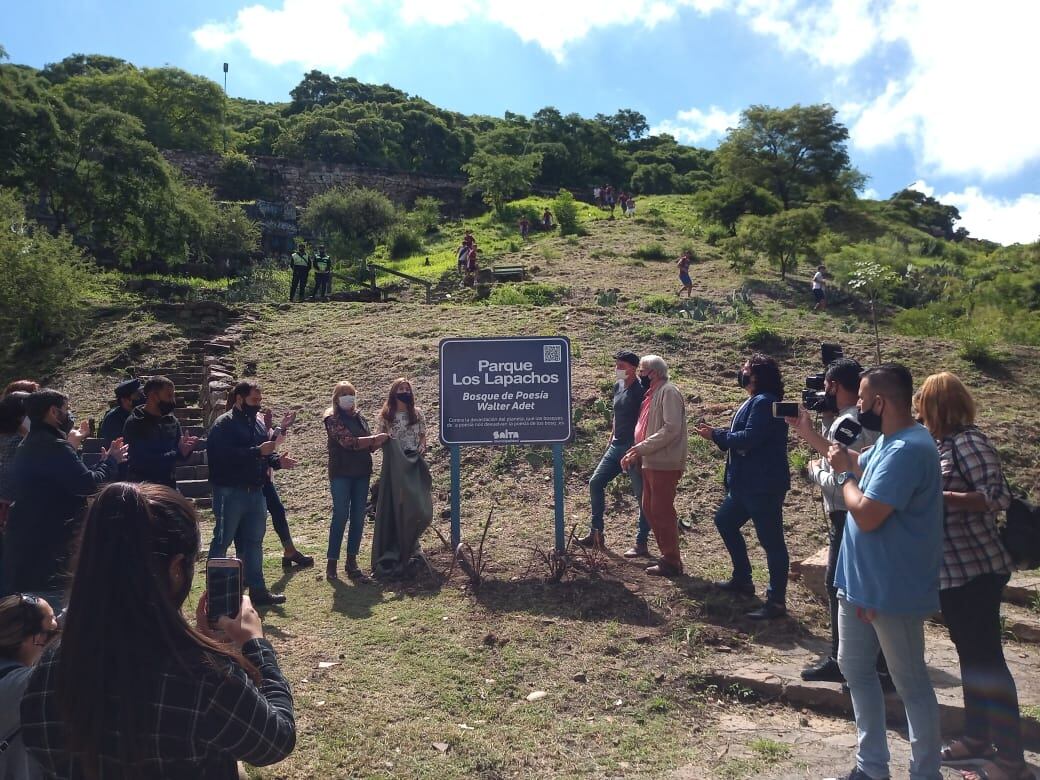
(224, 588)
(785, 408)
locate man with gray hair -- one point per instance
(660, 451)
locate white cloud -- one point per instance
(312, 33)
(694, 126)
(998, 219)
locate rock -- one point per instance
(580, 677)
(536, 695)
(441, 746)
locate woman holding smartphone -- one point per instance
(133, 689)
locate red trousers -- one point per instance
(659, 508)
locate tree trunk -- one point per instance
(877, 337)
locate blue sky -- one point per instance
(935, 92)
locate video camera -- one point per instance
(814, 397)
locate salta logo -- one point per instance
(506, 435)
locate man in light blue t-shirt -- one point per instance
(887, 573)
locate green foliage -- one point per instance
(763, 335)
(425, 215)
(237, 178)
(658, 304)
(498, 177)
(44, 280)
(402, 242)
(527, 294)
(925, 213)
(655, 178)
(781, 237)
(350, 220)
(875, 282)
(260, 283)
(732, 199)
(787, 151)
(978, 347)
(566, 211)
(651, 252)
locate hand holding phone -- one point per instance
(785, 408)
(223, 588)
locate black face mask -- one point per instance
(870, 420)
(644, 381)
(66, 424)
(405, 398)
(251, 410)
(830, 403)
(166, 407)
(136, 400)
(743, 379)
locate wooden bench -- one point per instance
(506, 273)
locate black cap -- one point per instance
(128, 388)
(628, 357)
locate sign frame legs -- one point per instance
(558, 485)
(456, 497)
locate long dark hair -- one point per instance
(390, 407)
(766, 372)
(124, 624)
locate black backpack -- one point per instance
(1020, 531)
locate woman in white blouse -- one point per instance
(401, 419)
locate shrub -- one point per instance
(262, 282)
(425, 216)
(651, 252)
(508, 295)
(713, 234)
(350, 219)
(761, 335)
(238, 179)
(977, 347)
(403, 242)
(566, 211)
(44, 279)
(527, 294)
(659, 304)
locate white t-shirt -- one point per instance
(817, 281)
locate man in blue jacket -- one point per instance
(51, 485)
(757, 479)
(153, 435)
(239, 456)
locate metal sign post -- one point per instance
(505, 391)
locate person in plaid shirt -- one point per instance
(975, 569)
(132, 690)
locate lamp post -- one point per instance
(224, 118)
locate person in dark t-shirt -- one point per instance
(628, 396)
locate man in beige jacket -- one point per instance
(660, 450)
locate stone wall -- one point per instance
(297, 181)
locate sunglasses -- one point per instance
(33, 619)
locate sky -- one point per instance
(937, 94)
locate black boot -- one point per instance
(264, 597)
(593, 540)
(825, 671)
(354, 571)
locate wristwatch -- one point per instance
(843, 477)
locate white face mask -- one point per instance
(621, 374)
(346, 402)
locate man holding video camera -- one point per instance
(836, 405)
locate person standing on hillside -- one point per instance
(128, 396)
(819, 288)
(153, 436)
(240, 453)
(525, 227)
(301, 268)
(628, 398)
(757, 479)
(322, 274)
(887, 573)
(684, 274)
(660, 450)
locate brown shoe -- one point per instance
(638, 551)
(354, 571)
(330, 571)
(593, 540)
(663, 569)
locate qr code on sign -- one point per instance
(552, 353)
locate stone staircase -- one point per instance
(203, 379)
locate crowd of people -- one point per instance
(133, 689)
(607, 197)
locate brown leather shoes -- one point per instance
(663, 569)
(594, 540)
(638, 551)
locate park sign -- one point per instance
(510, 390)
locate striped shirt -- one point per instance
(971, 542)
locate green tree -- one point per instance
(625, 125)
(925, 213)
(788, 151)
(498, 177)
(875, 282)
(566, 211)
(655, 178)
(352, 221)
(781, 237)
(732, 199)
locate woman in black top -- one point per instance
(133, 690)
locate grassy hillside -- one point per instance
(431, 679)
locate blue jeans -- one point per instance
(902, 640)
(349, 496)
(609, 468)
(766, 511)
(242, 519)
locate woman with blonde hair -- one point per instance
(975, 569)
(350, 468)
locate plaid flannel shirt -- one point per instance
(200, 725)
(971, 542)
